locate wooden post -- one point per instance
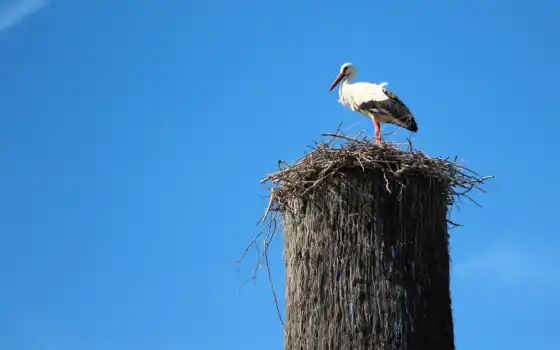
(367, 268)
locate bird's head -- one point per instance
(347, 70)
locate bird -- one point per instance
(372, 101)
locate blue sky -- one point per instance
(134, 135)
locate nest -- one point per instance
(341, 154)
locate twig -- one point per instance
(453, 224)
(386, 182)
(268, 207)
(269, 223)
(272, 285)
(343, 137)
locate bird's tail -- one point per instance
(411, 123)
(406, 121)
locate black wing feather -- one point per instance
(393, 107)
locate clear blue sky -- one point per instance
(134, 134)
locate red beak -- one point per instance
(337, 80)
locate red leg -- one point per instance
(377, 131)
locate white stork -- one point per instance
(372, 101)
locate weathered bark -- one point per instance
(368, 268)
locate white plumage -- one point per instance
(359, 93)
(372, 101)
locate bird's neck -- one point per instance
(343, 84)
